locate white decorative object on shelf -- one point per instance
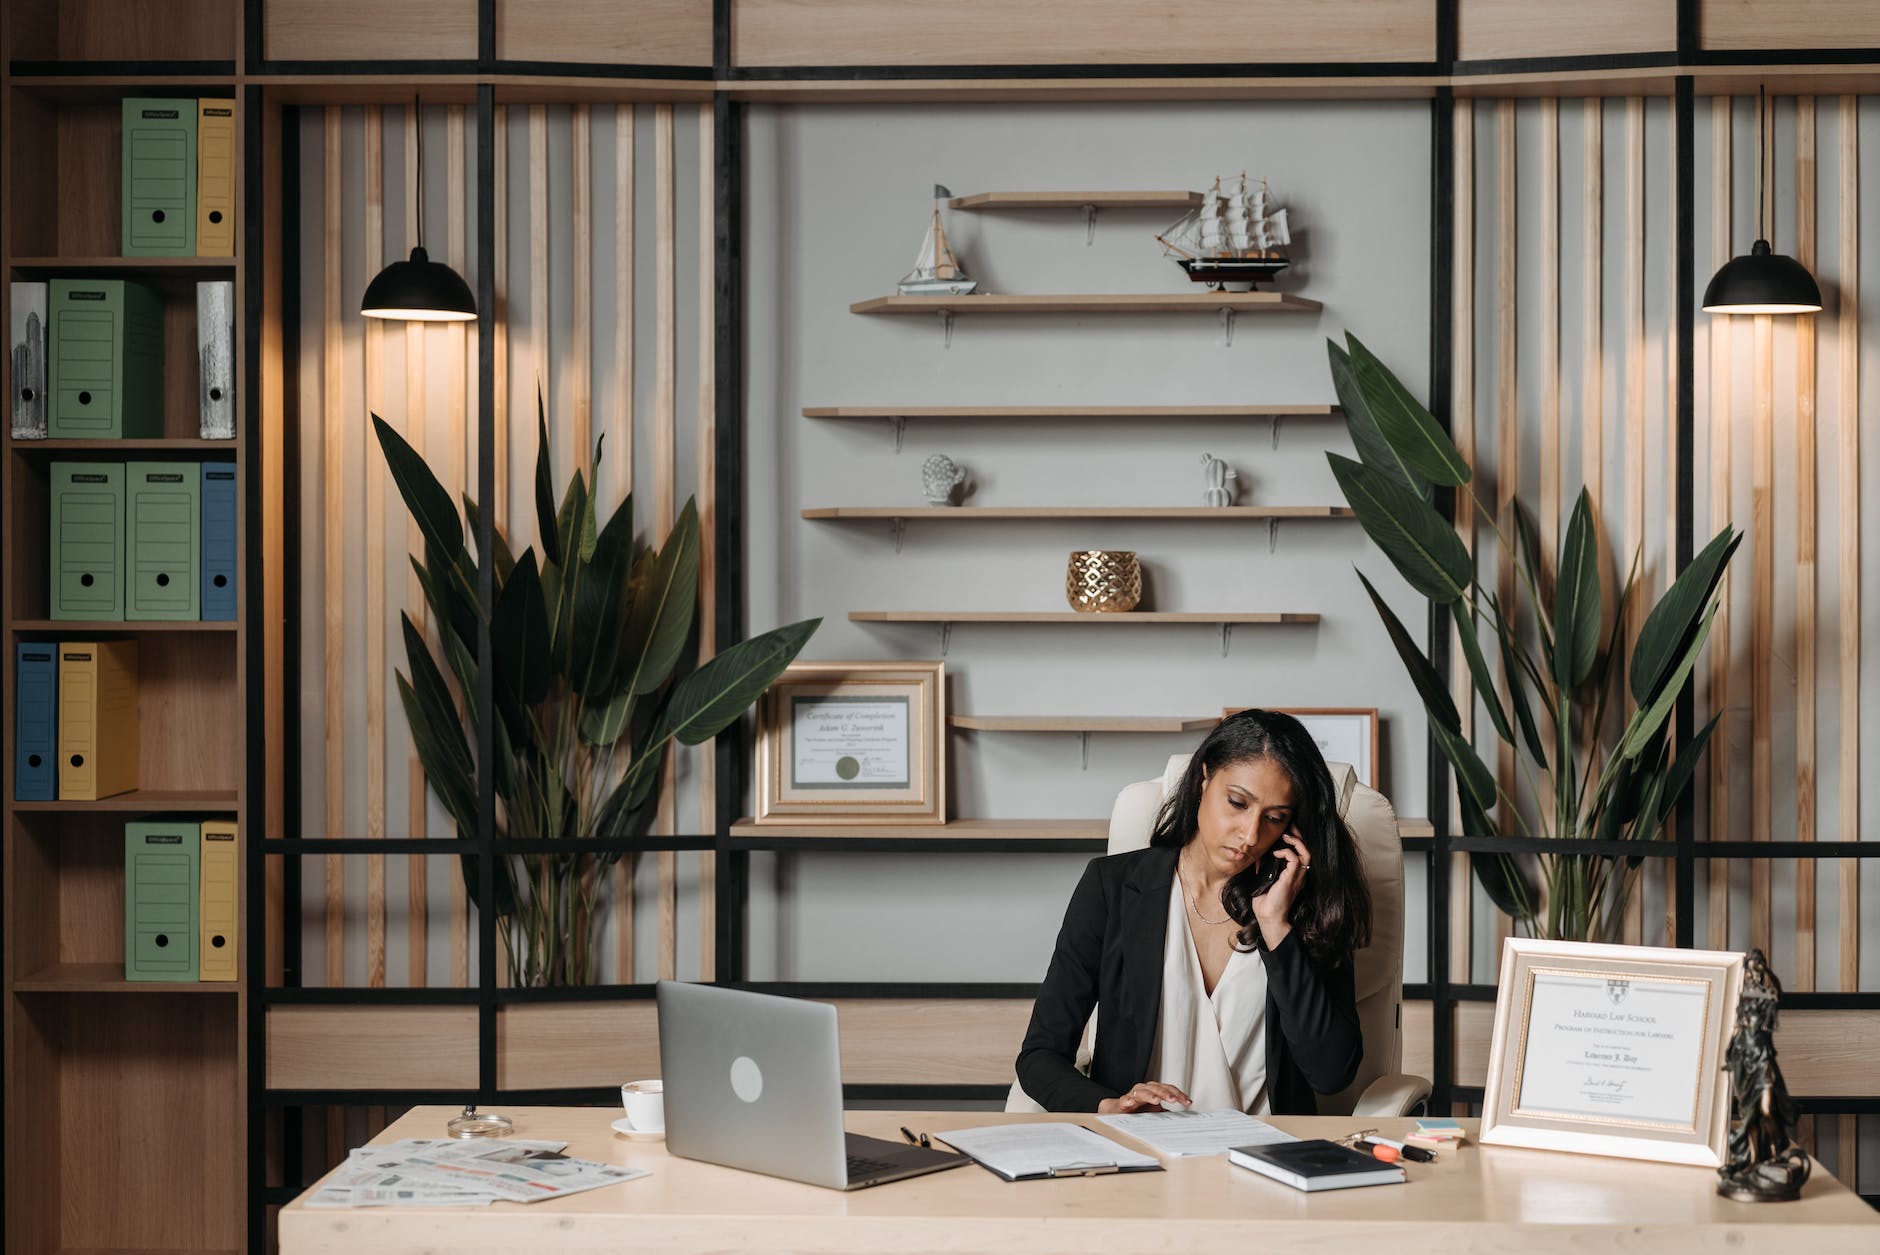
(936, 271)
(1236, 238)
(1219, 475)
(939, 476)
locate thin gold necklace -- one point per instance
(1194, 904)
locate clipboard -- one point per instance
(1045, 1150)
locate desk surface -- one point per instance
(1493, 1199)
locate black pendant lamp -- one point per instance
(419, 289)
(1764, 282)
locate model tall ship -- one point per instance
(1235, 239)
(936, 271)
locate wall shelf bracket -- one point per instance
(1090, 225)
(897, 528)
(1227, 637)
(1227, 324)
(1083, 738)
(946, 328)
(900, 432)
(946, 637)
(1272, 535)
(1276, 419)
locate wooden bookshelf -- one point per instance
(1091, 303)
(89, 1054)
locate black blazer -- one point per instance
(1109, 955)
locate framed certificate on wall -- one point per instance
(853, 743)
(1612, 1050)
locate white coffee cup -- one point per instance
(645, 1103)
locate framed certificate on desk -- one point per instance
(1612, 1050)
(853, 743)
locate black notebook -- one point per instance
(1316, 1165)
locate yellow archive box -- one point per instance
(221, 873)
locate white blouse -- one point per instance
(1212, 1047)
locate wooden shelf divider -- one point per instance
(1070, 411)
(1130, 618)
(1076, 200)
(1080, 723)
(120, 627)
(970, 513)
(108, 978)
(142, 801)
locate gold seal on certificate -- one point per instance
(853, 743)
(1612, 1050)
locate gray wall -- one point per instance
(837, 200)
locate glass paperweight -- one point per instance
(474, 1123)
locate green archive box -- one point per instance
(105, 351)
(162, 540)
(159, 218)
(86, 535)
(162, 899)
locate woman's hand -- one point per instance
(1272, 908)
(1148, 1096)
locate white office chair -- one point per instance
(1379, 1089)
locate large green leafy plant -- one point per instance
(586, 648)
(1557, 708)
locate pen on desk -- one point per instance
(912, 1140)
(1415, 1154)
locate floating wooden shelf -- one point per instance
(1138, 513)
(1091, 303)
(1079, 723)
(108, 978)
(1071, 616)
(176, 445)
(94, 627)
(129, 267)
(1076, 200)
(1409, 827)
(1071, 411)
(913, 834)
(152, 801)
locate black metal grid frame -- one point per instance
(732, 854)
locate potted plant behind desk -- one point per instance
(587, 644)
(1556, 702)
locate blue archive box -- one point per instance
(36, 722)
(218, 541)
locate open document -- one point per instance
(1025, 1152)
(439, 1172)
(1184, 1134)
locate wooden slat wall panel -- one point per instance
(581, 178)
(1496, 30)
(1547, 310)
(623, 383)
(1077, 32)
(418, 919)
(539, 227)
(1718, 694)
(665, 418)
(372, 1047)
(1507, 420)
(1761, 617)
(1805, 584)
(375, 557)
(366, 30)
(704, 759)
(1462, 347)
(333, 439)
(1743, 24)
(1668, 873)
(462, 436)
(1848, 460)
(501, 172)
(1634, 417)
(646, 32)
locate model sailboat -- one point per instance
(936, 271)
(1234, 239)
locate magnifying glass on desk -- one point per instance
(473, 1123)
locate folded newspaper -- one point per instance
(441, 1172)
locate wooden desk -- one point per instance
(1491, 1200)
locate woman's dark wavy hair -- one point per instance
(1332, 912)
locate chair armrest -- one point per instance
(1393, 1094)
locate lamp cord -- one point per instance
(1763, 174)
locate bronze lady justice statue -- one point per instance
(1765, 1163)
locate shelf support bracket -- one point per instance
(946, 328)
(1227, 323)
(946, 636)
(1083, 739)
(1090, 225)
(897, 528)
(1227, 636)
(1275, 433)
(900, 432)
(1272, 535)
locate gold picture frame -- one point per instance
(1612, 1050)
(1352, 725)
(849, 743)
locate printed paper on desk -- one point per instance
(1035, 1149)
(1187, 1134)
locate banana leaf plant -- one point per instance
(587, 643)
(1562, 677)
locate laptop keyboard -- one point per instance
(861, 1166)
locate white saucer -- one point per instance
(626, 1130)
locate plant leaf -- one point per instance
(1646, 720)
(505, 560)
(1429, 685)
(664, 600)
(1409, 428)
(1472, 774)
(1667, 630)
(544, 488)
(708, 700)
(1423, 548)
(1499, 875)
(1373, 449)
(1678, 783)
(424, 496)
(436, 731)
(602, 724)
(519, 640)
(1577, 608)
(1517, 695)
(1478, 669)
(600, 608)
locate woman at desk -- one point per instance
(1219, 959)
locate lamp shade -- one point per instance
(1762, 283)
(419, 290)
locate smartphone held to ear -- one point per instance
(1266, 874)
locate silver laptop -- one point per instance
(754, 1081)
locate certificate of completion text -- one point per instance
(1612, 1050)
(850, 742)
